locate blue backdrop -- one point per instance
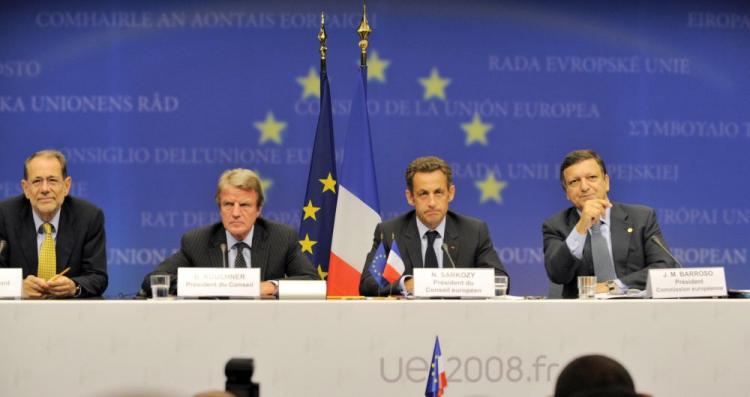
(150, 101)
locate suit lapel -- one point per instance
(259, 251)
(451, 240)
(619, 235)
(66, 232)
(412, 243)
(218, 238)
(28, 235)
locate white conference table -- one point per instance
(367, 348)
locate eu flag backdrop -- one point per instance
(152, 100)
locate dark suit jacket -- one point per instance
(275, 250)
(633, 251)
(468, 242)
(80, 241)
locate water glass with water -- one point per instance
(160, 286)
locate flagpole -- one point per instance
(358, 206)
(364, 33)
(322, 37)
(319, 205)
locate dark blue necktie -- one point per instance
(430, 259)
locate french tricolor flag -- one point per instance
(358, 207)
(394, 265)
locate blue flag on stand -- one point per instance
(319, 206)
(436, 379)
(377, 266)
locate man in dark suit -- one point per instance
(430, 190)
(628, 233)
(47, 231)
(247, 239)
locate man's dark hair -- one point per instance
(594, 375)
(50, 153)
(576, 157)
(427, 164)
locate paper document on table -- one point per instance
(631, 294)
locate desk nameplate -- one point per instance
(11, 283)
(454, 283)
(693, 282)
(196, 282)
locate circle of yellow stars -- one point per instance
(434, 88)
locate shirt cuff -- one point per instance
(620, 284)
(275, 283)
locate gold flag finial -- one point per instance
(322, 36)
(364, 33)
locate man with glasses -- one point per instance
(422, 233)
(615, 242)
(47, 232)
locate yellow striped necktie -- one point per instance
(47, 256)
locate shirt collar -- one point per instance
(38, 222)
(231, 241)
(424, 229)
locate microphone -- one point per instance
(445, 249)
(664, 248)
(223, 248)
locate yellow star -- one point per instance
(310, 210)
(323, 274)
(307, 244)
(434, 86)
(328, 183)
(265, 184)
(310, 84)
(491, 189)
(476, 131)
(270, 129)
(376, 67)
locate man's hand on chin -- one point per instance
(592, 211)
